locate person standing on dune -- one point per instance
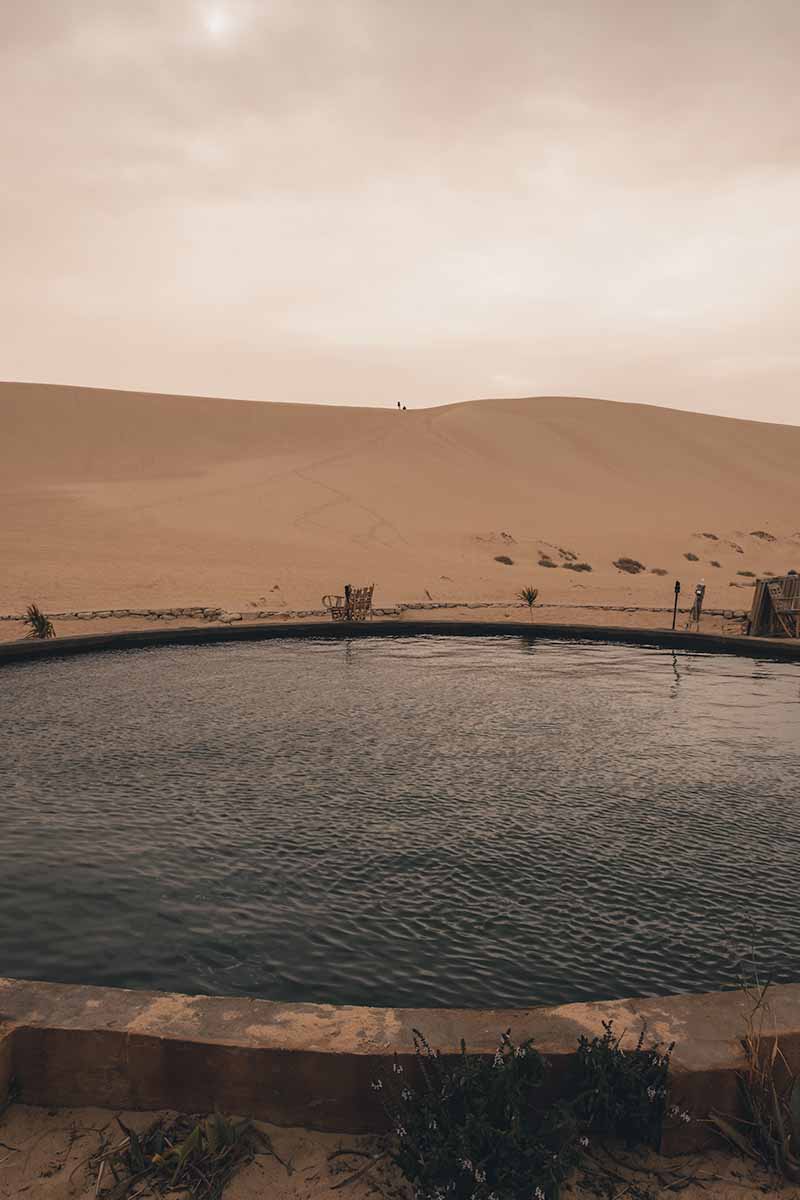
(697, 607)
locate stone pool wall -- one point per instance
(176, 635)
(313, 1064)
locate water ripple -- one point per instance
(473, 822)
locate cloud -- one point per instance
(571, 190)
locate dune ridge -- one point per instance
(122, 499)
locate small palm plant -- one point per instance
(40, 625)
(529, 595)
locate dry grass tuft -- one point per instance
(769, 1132)
(194, 1157)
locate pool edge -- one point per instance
(313, 1065)
(767, 648)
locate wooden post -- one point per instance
(675, 608)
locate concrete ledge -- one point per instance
(312, 1064)
(770, 648)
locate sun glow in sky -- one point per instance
(217, 21)
(361, 201)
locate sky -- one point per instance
(365, 201)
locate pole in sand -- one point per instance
(675, 608)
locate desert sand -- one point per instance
(48, 1155)
(125, 500)
(116, 500)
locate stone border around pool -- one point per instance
(313, 1065)
(770, 648)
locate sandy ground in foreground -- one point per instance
(47, 1155)
(14, 630)
(51, 1159)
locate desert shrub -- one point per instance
(547, 562)
(762, 533)
(474, 1129)
(712, 536)
(691, 557)
(749, 574)
(528, 595)
(40, 625)
(576, 566)
(631, 565)
(657, 571)
(478, 1129)
(714, 563)
(503, 558)
(622, 1093)
(570, 555)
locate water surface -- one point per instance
(418, 821)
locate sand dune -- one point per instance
(116, 499)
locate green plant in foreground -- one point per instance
(473, 1129)
(622, 1093)
(529, 596)
(481, 1129)
(40, 625)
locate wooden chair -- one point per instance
(354, 605)
(335, 606)
(786, 610)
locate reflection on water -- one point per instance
(483, 821)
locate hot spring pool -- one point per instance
(483, 821)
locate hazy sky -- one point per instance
(428, 200)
